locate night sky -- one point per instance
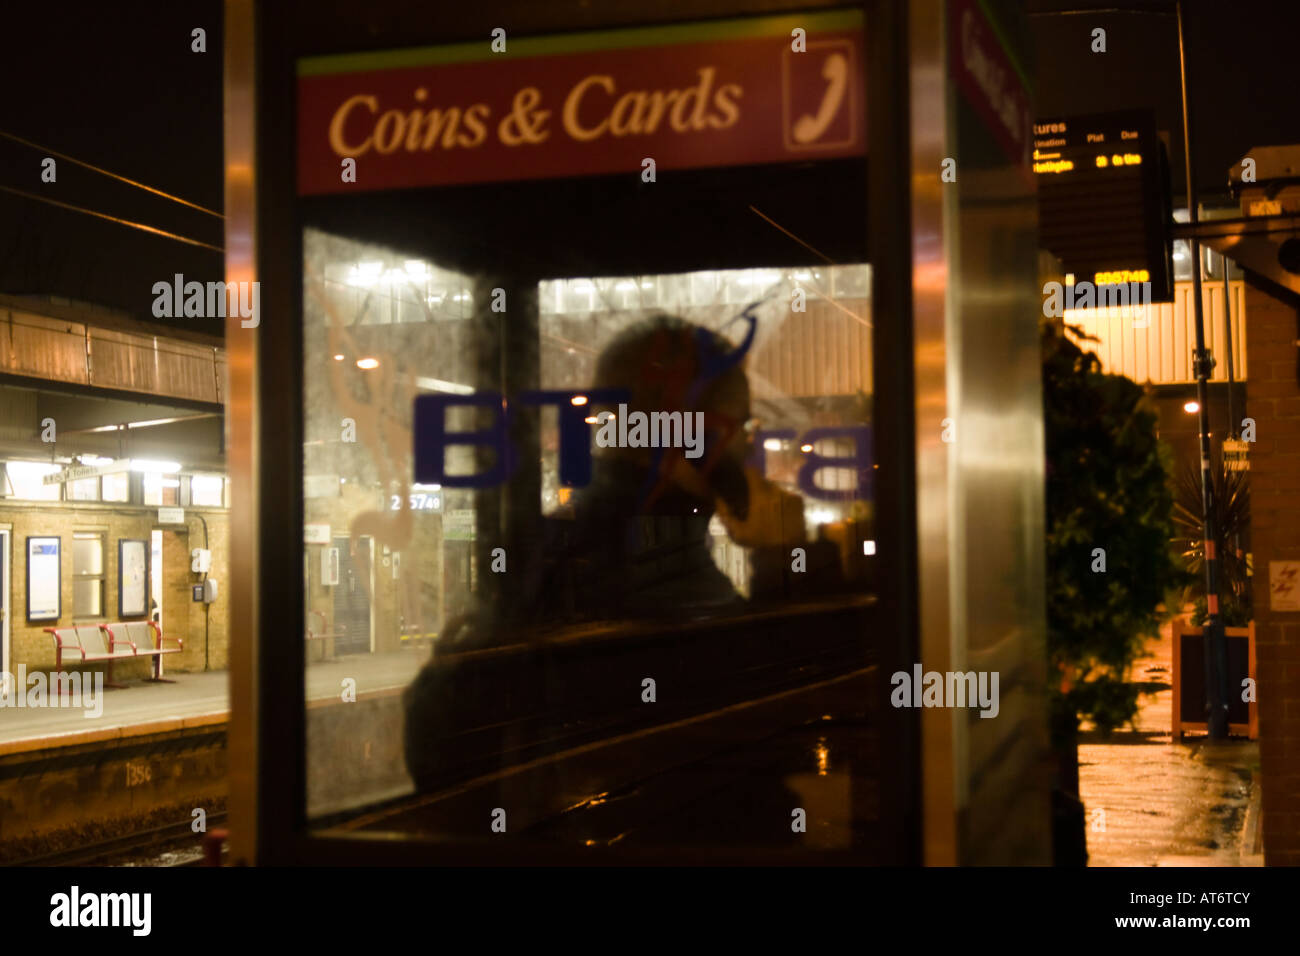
(115, 85)
(118, 86)
(1241, 60)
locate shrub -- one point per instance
(1107, 487)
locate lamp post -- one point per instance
(1215, 642)
(1216, 646)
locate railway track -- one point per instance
(173, 844)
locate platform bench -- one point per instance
(112, 642)
(321, 635)
(145, 640)
(89, 642)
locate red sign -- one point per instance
(715, 94)
(989, 79)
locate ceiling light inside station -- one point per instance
(147, 424)
(442, 385)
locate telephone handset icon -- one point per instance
(808, 129)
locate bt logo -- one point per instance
(432, 438)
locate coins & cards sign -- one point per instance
(731, 93)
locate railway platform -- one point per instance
(194, 700)
(1154, 800)
(155, 755)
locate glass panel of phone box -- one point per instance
(634, 604)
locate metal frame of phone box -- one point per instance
(267, 729)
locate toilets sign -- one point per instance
(730, 93)
(78, 472)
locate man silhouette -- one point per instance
(637, 544)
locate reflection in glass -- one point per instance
(486, 602)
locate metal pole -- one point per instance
(1227, 333)
(1233, 424)
(1216, 689)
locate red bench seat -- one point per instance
(112, 642)
(145, 640)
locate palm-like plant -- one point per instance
(1231, 512)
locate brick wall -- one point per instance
(181, 616)
(1273, 400)
(34, 648)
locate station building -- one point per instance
(112, 464)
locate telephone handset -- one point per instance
(836, 72)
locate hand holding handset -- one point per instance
(775, 516)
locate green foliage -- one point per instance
(1107, 487)
(1231, 511)
(1232, 612)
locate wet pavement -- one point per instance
(1155, 801)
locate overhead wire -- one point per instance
(109, 173)
(143, 227)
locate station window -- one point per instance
(160, 489)
(207, 490)
(84, 489)
(87, 574)
(26, 480)
(117, 487)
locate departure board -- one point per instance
(1103, 199)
